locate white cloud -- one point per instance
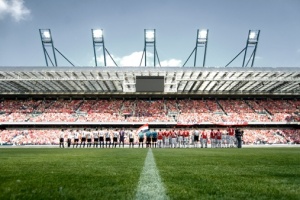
(14, 8)
(109, 61)
(134, 60)
(171, 63)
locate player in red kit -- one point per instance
(212, 139)
(203, 139)
(170, 133)
(230, 131)
(166, 138)
(186, 135)
(160, 138)
(219, 138)
(174, 139)
(180, 138)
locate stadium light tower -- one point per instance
(98, 41)
(47, 41)
(150, 42)
(252, 42)
(46, 38)
(201, 41)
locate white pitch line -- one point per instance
(150, 185)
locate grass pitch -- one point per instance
(266, 173)
(70, 173)
(230, 173)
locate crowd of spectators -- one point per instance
(197, 111)
(150, 111)
(30, 136)
(184, 111)
(271, 136)
(280, 110)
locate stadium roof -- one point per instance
(178, 80)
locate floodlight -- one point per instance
(252, 35)
(150, 43)
(252, 42)
(97, 35)
(98, 41)
(201, 41)
(46, 35)
(150, 35)
(47, 42)
(202, 34)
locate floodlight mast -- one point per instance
(201, 41)
(150, 42)
(252, 42)
(46, 39)
(98, 41)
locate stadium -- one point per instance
(263, 100)
(38, 103)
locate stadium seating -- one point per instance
(160, 110)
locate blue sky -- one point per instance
(176, 23)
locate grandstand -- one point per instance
(38, 101)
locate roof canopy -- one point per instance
(177, 80)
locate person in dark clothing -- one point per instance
(148, 138)
(239, 136)
(122, 137)
(61, 139)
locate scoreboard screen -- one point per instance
(150, 83)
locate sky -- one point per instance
(175, 21)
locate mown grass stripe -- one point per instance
(150, 185)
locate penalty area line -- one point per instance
(150, 185)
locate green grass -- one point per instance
(70, 173)
(254, 173)
(230, 173)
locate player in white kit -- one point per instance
(83, 138)
(76, 138)
(131, 138)
(96, 137)
(115, 138)
(89, 138)
(107, 138)
(196, 138)
(101, 138)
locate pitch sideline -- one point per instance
(150, 185)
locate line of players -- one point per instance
(196, 138)
(162, 138)
(101, 138)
